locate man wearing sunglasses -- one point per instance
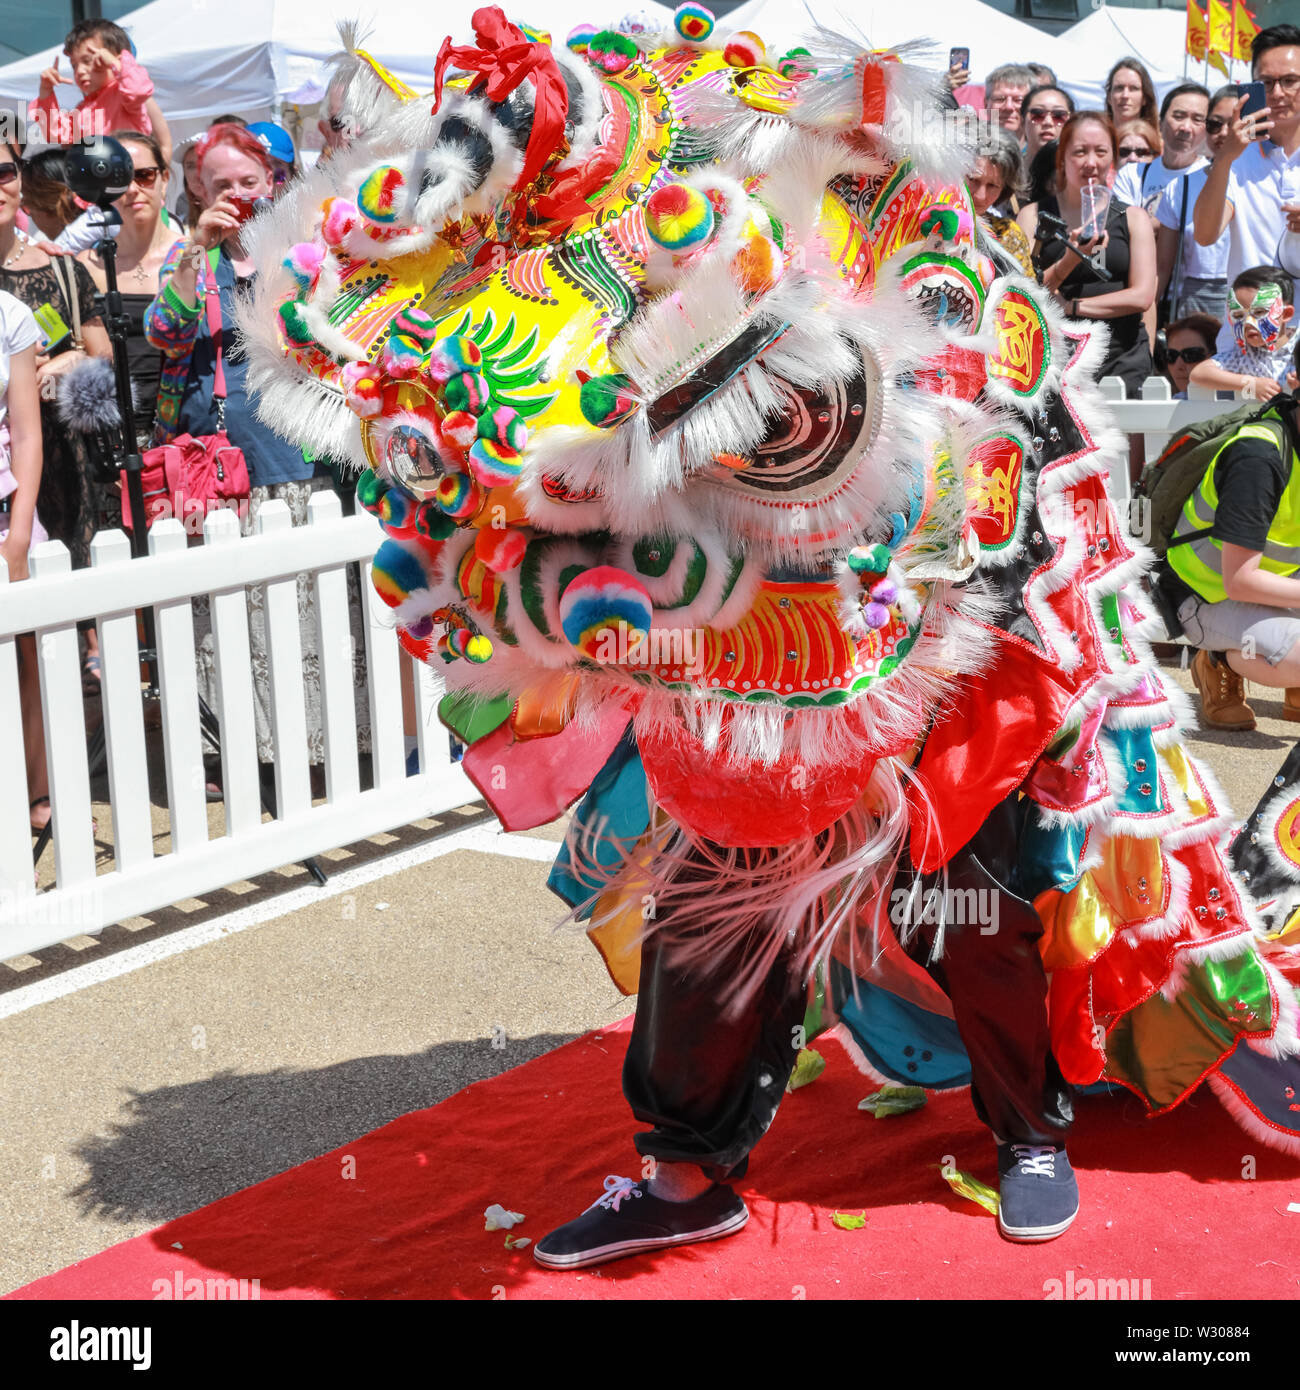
(1252, 189)
(1182, 131)
(1192, 277)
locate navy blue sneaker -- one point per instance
(1039, 1194)
(627, 1219)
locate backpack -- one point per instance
(1167, 483)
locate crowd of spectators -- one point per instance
(1165, 221)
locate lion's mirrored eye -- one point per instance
(412, 460)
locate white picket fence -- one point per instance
(110, 592)
(142, 879)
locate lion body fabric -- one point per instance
(745, 495)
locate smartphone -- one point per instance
(1256, 99)
(959, 60)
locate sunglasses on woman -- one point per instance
(1048, 113)
(146, 177)
(8, 171)
(1214, 124)
(1135, 152)
(1191, 355)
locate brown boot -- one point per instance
(1291, 705)
(1223, 695)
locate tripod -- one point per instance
(133, 465)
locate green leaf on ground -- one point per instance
(808, 1066)
(849, 1220)
(966, 1186)
(893, 1100)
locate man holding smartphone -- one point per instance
(1252, 189)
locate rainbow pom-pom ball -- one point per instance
(396, 573)
(461, 428)
(396, 512)
(370, 489)
(580, 36)
(459, 496)
(605, 613)
(458, 639)
(493, 464)
(500, 548)
(693, 22)
(478, 649)
(453, 356)
(678, 217)
(744, 50)
(504, 425)
(377, 198)
(432, 523)
(468, 392)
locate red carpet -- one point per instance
(1163, 1200)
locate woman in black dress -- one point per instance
(1126, 248)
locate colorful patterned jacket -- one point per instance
(172, 326)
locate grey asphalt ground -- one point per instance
(141, 1098)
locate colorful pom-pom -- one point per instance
(401, 358)
(606, 401)
(886, 592)
(744, 50)
(304, 262)
(362, 389)
(468, 392)
(478, 649)
(461, 428)
(869, 559)
(370, 488)
(414, 324)
(293, 324)
(396, 512)
(458, 640)
(678, 217)
(493, 464)
(610, 51)
(693, 22)
(377, 198)
(580, 37)
(431, 522)
(452, 356)
(797, 63)
(341, 218)
(758, 265)
(505, 426)
(605, 613)
(876, 615)
(396, 573)
(459, 496)
(500, 548)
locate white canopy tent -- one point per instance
(210, 56)
(1157, 37)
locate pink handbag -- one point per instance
(194, 474)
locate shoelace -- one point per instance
(1035, 1160)
(615, 1190)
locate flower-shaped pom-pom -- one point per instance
(678, 217)
(744, 50)
(461, 428)
(380, 193)
(693, 22)
(610, 51)
(876, 615)
(500, 548)
(341, 218)
(580, 37)
(304, 262)
(362, 389)
(452, 356)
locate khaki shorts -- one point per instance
(1253, 629)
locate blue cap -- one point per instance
(275, 140)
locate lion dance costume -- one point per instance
(746, 496)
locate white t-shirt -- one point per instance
(1260, 181)
(1143, 192)
(18, 330)
(1200, 262)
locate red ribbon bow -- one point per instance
(504, 57)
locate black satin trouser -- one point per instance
(710, 1082)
